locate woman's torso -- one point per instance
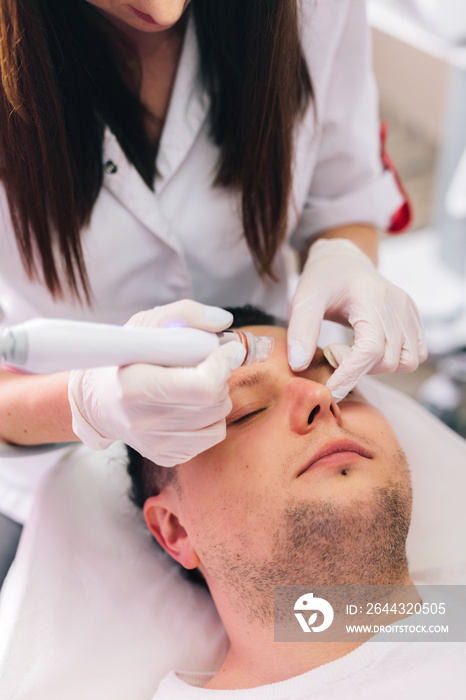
(145, 248)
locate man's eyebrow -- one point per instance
(252, 379)
(258, 376)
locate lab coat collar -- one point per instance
(186, 115)
(127, 186)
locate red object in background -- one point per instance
(402, 218)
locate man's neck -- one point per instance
(255, 659)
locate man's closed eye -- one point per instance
(245, 417)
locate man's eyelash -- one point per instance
(246, 416)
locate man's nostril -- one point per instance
(313, 414)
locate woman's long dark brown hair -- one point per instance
(62, 83)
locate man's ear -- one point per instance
(162, 520)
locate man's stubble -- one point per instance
(318, 543)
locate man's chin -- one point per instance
(360, 542)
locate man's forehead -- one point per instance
(280, 350)
(258, 372)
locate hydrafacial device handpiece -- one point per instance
(44, 346)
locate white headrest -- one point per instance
(92, 609)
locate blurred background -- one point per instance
(420, 65)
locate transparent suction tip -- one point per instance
(258, 347)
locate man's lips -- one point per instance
(334, 448)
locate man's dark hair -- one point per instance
(148, 478)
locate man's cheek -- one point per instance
(255, 456)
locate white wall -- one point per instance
(411, 84)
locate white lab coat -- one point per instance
(145, 248)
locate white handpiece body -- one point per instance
(45, 346)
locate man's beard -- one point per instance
(321, 544)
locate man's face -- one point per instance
(298, 480)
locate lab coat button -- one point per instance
(110, 167)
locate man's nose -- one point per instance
(311, 403)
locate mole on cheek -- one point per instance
(344, 472)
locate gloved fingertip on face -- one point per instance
(298, 356)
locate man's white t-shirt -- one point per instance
(385, 671)
(375, 670)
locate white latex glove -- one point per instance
(340, 283)
(168, 414)
(335, 353)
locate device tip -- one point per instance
(260, 348)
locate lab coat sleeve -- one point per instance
(350, 183)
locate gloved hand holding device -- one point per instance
(168, 414)
(340, 283)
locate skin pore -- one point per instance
(302, 491)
